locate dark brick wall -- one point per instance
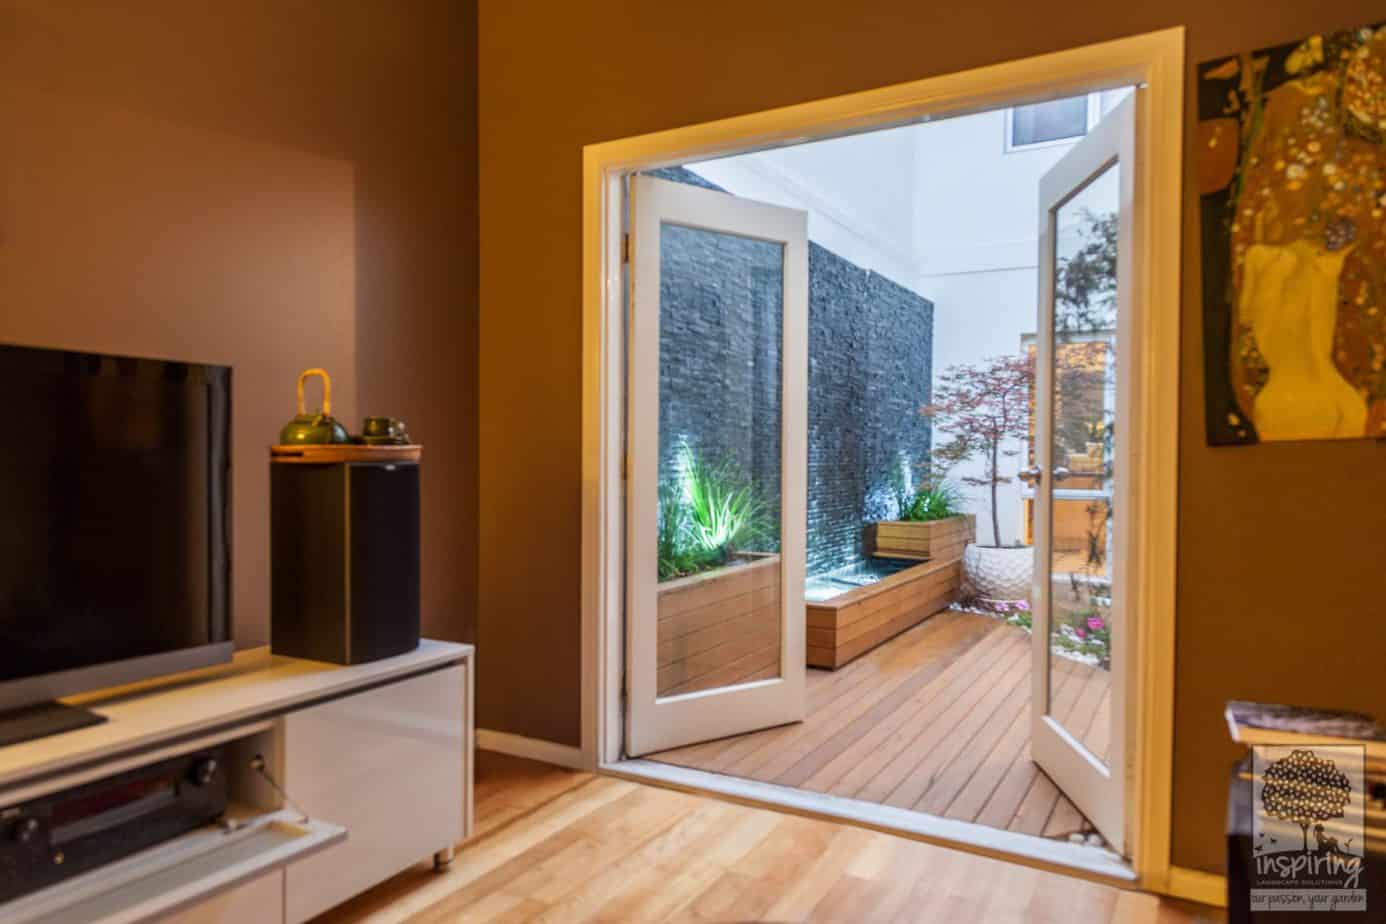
(870, 369)
(720, 352)
(870, 359)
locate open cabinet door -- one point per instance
(717, 443)
(1082, 451)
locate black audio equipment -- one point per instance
(344, 550)
(54, 837)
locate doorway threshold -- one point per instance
(1083, 860)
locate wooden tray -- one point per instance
(330, 453)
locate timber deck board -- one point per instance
(937, 720)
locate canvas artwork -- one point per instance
(1292, 176)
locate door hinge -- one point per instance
(625, 248)
(625, 466)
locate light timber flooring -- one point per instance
(936, 720)
(562, 846)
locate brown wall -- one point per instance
(1281, 547)
(270, 185)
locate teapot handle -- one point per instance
(326, 390)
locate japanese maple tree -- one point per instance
(984, 409)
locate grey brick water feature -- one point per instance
(870, 368)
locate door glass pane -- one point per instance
(1080, 477)
(720, 345)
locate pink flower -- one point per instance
(1095, 623)
(999, 607)
(1022, 605)
(1080, 633)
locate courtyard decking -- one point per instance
(936, 720)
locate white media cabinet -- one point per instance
(378, 756)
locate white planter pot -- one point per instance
(995, 574)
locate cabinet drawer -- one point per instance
(206, 876)
(386, 764)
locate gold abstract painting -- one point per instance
(1292, 176)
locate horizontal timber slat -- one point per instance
(845, 627)
(755, 665)
(706, 662)
(690, 622)
(719, 628)
(697, 590)
(827, 616)
(938, 540)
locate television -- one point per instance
(115, 546)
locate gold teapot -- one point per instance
(319, 427)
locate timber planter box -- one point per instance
(849, 625)
(720, 627)
(933, 540)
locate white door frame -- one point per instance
(655, 723)
(1153, 60)
(1097, 788)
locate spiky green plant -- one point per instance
(708, 513)
(725, 511)
(677, 556)
(934, 502)
(669, 538)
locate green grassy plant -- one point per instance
(707, 514)
(933, 502)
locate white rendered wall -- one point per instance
(977, 233)
(858, 191)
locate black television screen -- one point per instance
(114, 519)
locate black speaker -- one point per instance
(344, 549)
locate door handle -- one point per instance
(1032, 475)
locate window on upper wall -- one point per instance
(1058, 121)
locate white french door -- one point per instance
(1080, 474)
(716, 431)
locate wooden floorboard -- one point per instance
(893, 667)
(850, 771)
(561, 846)
(937, 720)
(829, 694)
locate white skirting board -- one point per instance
(549, 752)
(1198, 886)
